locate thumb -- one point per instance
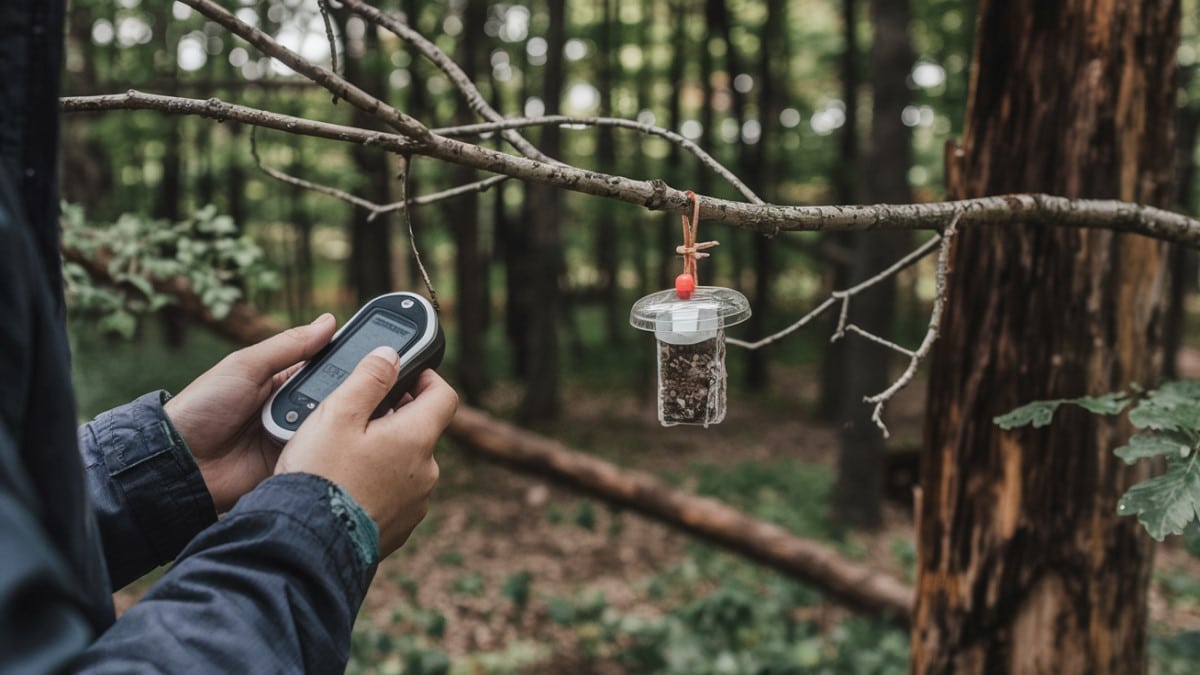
(358, 396)
(263, 360)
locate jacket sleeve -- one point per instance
(147, 493)
(273, 587)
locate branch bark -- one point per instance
(656, 195)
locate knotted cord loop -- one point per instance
(691, 250)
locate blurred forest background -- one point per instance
(808, 101)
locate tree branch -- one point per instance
(656, 195)
(336, 84)
(447, 65)
(216, 109)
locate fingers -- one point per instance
(264, 360)
(357, 397)
(430, 411)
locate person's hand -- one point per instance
(386, 464)
(219, 414)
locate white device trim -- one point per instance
(431, 327)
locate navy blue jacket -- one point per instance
(273, 587)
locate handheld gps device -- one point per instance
(403, 320)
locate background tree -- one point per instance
(865, 367)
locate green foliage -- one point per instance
(1040, 413)
(790, 494)
(206, 249)
(751, 624)
(516, 589)
(1169, 418)
(1166, 504)
(585, 515)
(469, 584)
(1176, 654)
(108, 372)
(404, 646)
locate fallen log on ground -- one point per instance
(844, 581)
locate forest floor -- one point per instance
(490, 525)
(500, 572)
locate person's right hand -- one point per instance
(386, 464)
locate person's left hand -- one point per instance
(219, 414)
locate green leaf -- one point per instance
(1153, 414)
(1106, 404)
(1166, 504)
(1038, 414)
(1154, 444)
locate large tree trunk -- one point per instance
(858, 494)
(1024, 566)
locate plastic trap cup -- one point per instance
(691, 350)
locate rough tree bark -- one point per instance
(1024, 565)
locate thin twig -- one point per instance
(801, 323)
(333, 61)
(300, 182)
(880, 341)
(373, 210)
(466, 188)
(842, 296)
(567, 122)
(931, 334)
(447, 65)
(405, 171)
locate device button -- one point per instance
(406, 303)
(291, 416)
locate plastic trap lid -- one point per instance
(709, 309)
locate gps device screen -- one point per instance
(380, 328)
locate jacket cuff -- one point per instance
(154, 480)
(344, 532)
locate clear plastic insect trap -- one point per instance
(689, 324)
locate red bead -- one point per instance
(684, 286)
